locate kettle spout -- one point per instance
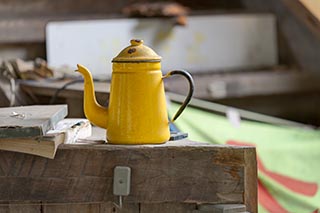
(95, 113)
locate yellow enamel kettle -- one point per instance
(137, 112)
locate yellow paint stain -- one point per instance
(199, 37)
(193, 55)
(166, 48)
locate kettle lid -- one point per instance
(137, 52)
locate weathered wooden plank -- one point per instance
(31, 30)
(246, 84)
(214, 174)
(298, 27)
(22, 50)
(48, 88)
(22, 30)
(246, 115)
(307, 12)
(72, 95)
(251, 181)
(71, 208)
(22, 207)
(126, 208)
(107, 207)
(36, 207)
(313, 7)
(215, 86)
(222, 208)
(51, 8)
(167, 207)
(302, 35)
(255, 91)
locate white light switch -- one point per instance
(121, 180)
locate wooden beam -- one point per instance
(246, 84)
(312, 6)
(22, 30)
(298, 32)
(48, 88)
(207, 86)
(33, 29)
(308, 12)
(52, 8)
(245, 114)
(38, 207)
(180, 171)
(250, 182)
(167, 207)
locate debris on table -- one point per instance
(30, 70)
(158, 9)
(15, 70)
(39, 129)
(67, 131)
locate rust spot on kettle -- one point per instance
(131, 50)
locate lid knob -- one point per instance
(136, 42)
(137, 52)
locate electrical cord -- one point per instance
(55, 95)
(79, 80)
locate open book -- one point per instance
(66, 131)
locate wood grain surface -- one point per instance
(170, 173)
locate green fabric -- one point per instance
(288, 151)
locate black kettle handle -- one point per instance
(188, 76)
